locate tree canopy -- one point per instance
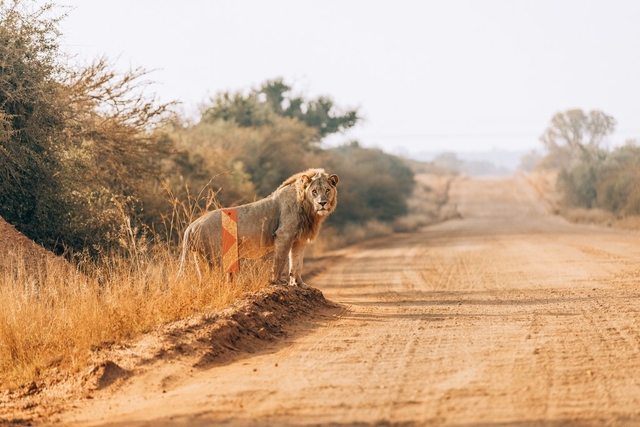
(574, 134)
(373, 184)
(275, 98)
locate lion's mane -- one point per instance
(309, 222)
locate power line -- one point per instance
(626, 132)
(454, 136)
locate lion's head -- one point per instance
(317, 196)
(320, 192)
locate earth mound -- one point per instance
(163, 356)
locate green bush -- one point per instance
(76, 151)
(578, 184)
(373, 185)
(591, 176)
(31, 119)
(618, 181)
(610, 181)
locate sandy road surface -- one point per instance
(507, 316)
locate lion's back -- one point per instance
(257, 223)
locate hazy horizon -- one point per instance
(427, 76)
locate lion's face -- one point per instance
(321, 191)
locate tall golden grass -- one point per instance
(52, 316)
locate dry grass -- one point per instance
(54, 319)
(587, 216)
(631, 222)
(600, 217)
(544, 182)
(53, 316)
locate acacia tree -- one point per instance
(319, 113)
(576, 144)
(574, 135)
(275, 98)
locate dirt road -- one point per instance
(507, 316)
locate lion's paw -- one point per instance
(298, 283)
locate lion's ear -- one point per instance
(333, 180)
(305, 180)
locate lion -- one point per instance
(282, 223)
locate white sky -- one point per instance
(427, 75)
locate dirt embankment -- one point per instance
(164, 357)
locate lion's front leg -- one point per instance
(296, 257)
(280, 256)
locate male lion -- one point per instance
(283, 222)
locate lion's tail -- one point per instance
(186, 245)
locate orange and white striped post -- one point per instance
(230, 241)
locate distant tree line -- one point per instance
(591, 175)
(85, 151)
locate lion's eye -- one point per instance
(315, 193)
(327, 192)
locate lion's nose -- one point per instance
(323, 203)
